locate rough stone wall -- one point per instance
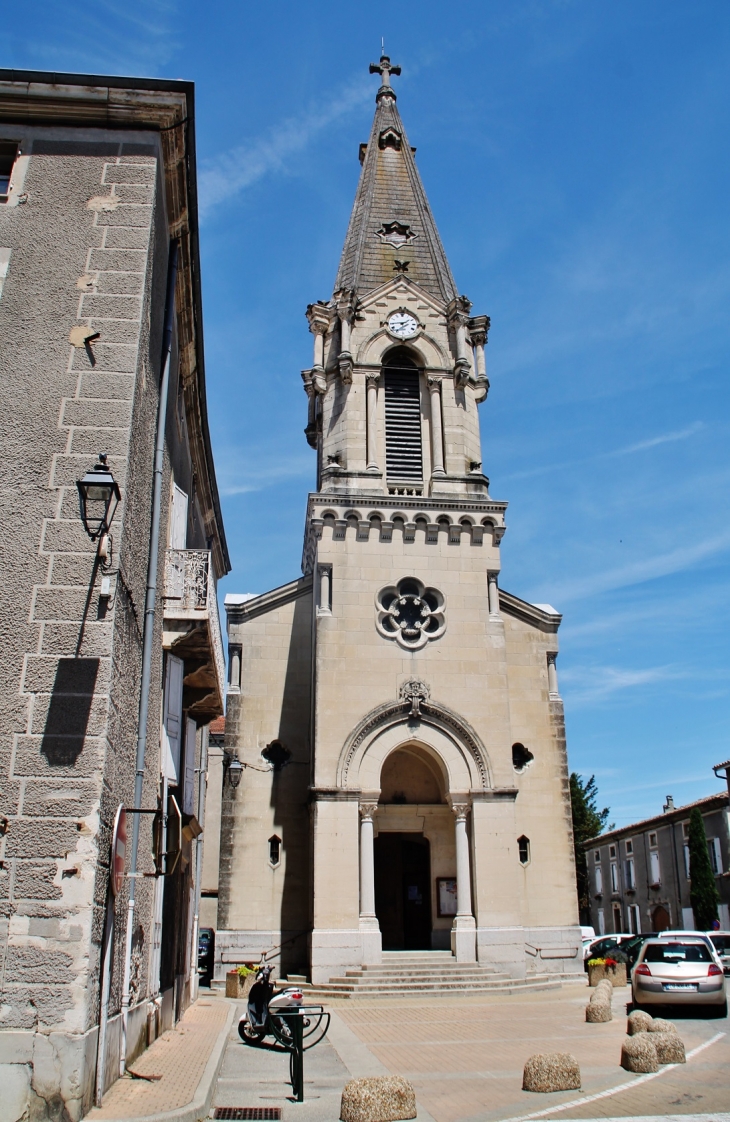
(69, 664)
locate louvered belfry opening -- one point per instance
(403, 450)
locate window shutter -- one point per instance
(403, 452)
(188, 806)
(172, 719)
(179, 519)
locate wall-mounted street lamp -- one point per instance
(234, 771)
(99, 497)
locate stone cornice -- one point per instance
(269, 601)
(444, 504)
(166, 108)
(528, 613)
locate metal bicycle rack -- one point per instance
(294, 1031)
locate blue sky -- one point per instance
(575, 154)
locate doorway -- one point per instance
(403, 891)
(660, 920)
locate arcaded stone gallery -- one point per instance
(396, 712)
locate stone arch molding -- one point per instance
(414, 718)
(426, 351)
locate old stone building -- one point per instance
(396, 713)
(111, 656)
(639, 875)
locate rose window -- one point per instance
(410, 613)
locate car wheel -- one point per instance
(722, 1009)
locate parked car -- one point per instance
(678, 971)
(600, 947)
(692, 935)
(206, 954)
(721, 942)
(631, 947)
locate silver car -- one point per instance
(678, 971)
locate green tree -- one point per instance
(588, 822)
(703, 894)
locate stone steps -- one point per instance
(438, 988)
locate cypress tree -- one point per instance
(588, 822)
(703, 894)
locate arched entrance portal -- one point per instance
(412, 812)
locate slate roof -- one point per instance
(390, 190)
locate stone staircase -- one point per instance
(426, 974)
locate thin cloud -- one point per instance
(600, 682)
(243, 476)
(233, 171)
(651, 568)
(630, 449)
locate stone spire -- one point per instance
(391, 228)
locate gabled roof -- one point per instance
(391, 203)
(676, 814)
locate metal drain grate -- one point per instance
(244, 1113)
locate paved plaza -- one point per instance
(464, 1056)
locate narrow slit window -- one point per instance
(274, 850)
(524, 849)
(8, 156)
(403, 445)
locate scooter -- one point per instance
(263, 1002)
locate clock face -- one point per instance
(403, 325)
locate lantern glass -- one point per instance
(99, 497)
(235, 770)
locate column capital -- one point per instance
(319, 316)
(372, 377)
(434, 383)
(479, 330)
(457, 311)
(460, 811)
(345, 302)
(367, 810)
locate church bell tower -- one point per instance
(407, 706)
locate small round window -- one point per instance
(521, 757)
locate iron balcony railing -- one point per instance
(190, 593)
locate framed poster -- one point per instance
(446, 896)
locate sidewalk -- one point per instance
(187, 1058)
(464, 1057)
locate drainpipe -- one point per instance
(202, 789)
(148, 637)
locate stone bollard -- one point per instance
(669, 1047)
(638, 1021)
(639, 1054)
(379, 1098)
(598, 1009)
(551, 1071)
(659, 1025)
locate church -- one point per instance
(393, 714)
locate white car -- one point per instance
(721, 942)
(678, 970)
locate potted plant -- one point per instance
(612, 966)
(240, 980)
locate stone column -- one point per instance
(345, 300)
(493, 590)
(463, 932)
(458, 318)
(371, 380)
(437, 432)
(479, 330)
(369, 927)
(552, 676)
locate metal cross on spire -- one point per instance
(384, 69)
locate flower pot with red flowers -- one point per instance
(611, 967)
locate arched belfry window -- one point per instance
(403, 451)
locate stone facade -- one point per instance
(639, 876)
(98, 190)
(396, 713)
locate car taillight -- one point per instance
(643, 969)
(296, 996)
(713, 970)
